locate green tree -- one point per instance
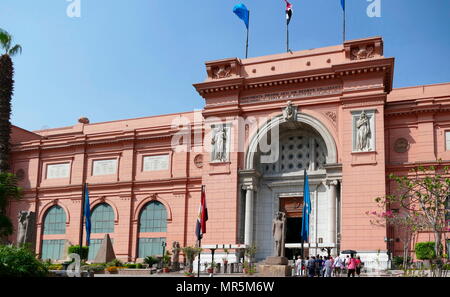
(425, 192)
(20, 262)
(8, 190)
(6, 93)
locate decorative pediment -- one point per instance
(228, 68)
(364, 49)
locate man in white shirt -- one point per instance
(298, 266)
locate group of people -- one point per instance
(327, 266)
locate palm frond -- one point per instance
(5, 40)
(15, 49)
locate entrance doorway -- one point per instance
(292, 207)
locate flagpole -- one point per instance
(344, 37)
(248, 28)
(83, 195)
(287, 37)
(198, 262)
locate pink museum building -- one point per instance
(331, 111)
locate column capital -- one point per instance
(249, 187)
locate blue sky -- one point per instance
(135, 58)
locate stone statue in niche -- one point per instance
(290, 112)
(218, 142)
(363, 134)
(26, 232)
(279, 234)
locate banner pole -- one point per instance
(248, 29)
(344, 29)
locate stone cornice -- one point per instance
(417, 106)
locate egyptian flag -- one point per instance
(288, 12)
(200, 228)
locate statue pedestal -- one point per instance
(275, 267)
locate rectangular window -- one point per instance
(58, 170)
(53, 249)
(447, 140)
(150, 246)
(104, 167)
(155, 163)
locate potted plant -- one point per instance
(150, 261)
(166, 262)
(211, 267)
(189, 254)
(225, 259)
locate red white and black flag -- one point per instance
(200, 228)
(288, 12)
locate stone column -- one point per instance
(332, 211)
(249, 203)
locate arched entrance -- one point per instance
(303, 143)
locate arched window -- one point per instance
(102, 219)
(153, 218)
(55, 221)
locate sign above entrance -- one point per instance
(292, 94)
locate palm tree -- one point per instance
(6, 92)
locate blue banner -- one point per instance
(243, 13)
(306, 208)
(87, 214)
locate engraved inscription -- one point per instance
(104, 167)
(155, 163)
(330, 90)
(58, 170)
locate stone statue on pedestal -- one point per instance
(26, 233)
(175, 255)
(277, 265)
(279, 234)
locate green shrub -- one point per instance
(398, 260)
(139, 266)
(75, 249)
(130, 266)
(55, 267)
(20, 262)
(425, 250)
(94, 267)
(114, 263)
(150, 260)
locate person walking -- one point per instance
(317, 266)
(311, 266)
(351, 266)
(298, 266)
(358, 266)
(338, 266)
(328, 266)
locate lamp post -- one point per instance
(163, 244)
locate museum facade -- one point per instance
(331, 111)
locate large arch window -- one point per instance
(102, 219)
(153, 218)
(55, 221)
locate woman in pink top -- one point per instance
(351, 266)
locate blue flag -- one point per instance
(343, 4)
(242, 12)
(87, 214)
(306, 209)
